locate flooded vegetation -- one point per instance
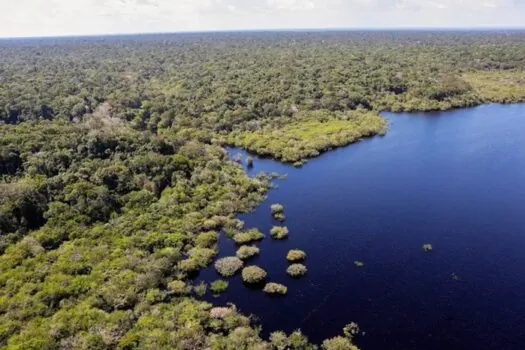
(125, 222)
(362, 245)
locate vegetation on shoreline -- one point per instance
(114, 183)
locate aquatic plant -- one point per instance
(296, 255)
(253, 274)
(358, 263)
(279, 232)
(427, 247)
(338, 343)
(296, 270)
(228, 266)
(278, 212)
(248, 236)
(275, 288)
(277, 208)
(219, 286)
(279, 217)
(246, 252)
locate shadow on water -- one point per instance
(455, 180)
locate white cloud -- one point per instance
(63, 17)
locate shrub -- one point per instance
(202, 256)
(189, 265)
(248, 236)
(296, 255)
(228, 266)
(278, 212)
(207, 239)
(277, 208)
(359, 263)
(253, 274)
(275, 288)
(296, 270)
(219, 286)
(246, 252)
(279, 217)
(279, 232)
(338, 343)
(427, 247)
(220, 312)
(200, 289)
(178, 287)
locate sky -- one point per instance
(19, 18)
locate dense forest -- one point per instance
(114, 181)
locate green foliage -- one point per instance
(228, 266)
(279, 232)
(296, 270)
(248, 236)
(219, 286)
(295, 255)
(338, 343)
(277, 208)
(200, 289)
(306, 135)
(278, 212)
(253, 275)
(178, 287)
(246, 252)
(275, 288)
(114, 184)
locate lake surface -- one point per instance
(455, 180)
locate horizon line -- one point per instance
(274, 30)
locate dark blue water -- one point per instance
(455, 180)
